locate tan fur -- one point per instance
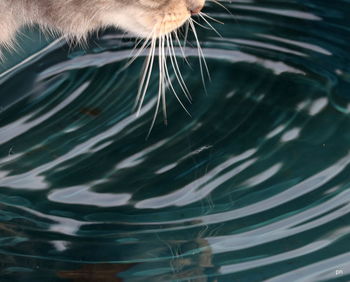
(77, 18)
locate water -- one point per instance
(254, 186)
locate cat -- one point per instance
(76, 19)
(152, 20)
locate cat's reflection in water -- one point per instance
(178, 260)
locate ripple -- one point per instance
(253, 186)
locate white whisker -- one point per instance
(225, 8)
(211, 18)
(177, 71)
(163, 43)
(163, 57)
(200, 55)
(204, 19)
(160, 88)
(186, 32)
(170, 83)
(181, 48)
(145, 81)
(197, 23)
(221, 5)
(143, 47)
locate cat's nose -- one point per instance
(196, 10)
(195, 6)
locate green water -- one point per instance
(253, 186)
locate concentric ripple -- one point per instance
(254, 186)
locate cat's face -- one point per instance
(154, 18)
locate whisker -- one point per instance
(145, 81)
(211, 18)
(186, 33)
(137, 43)
(197, 23)
(170, 83)
(144, 46)
(181, 48)
(204, 19)
(177, 71)
(221, 5)
(163, 80)
(200, 55)
(166, 48)
(225, 8)
(159, 91)
(174, 92)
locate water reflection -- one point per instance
(254, 186)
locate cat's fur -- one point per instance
(75, 19)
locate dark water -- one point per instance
(254, 186)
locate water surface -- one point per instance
(254, 186)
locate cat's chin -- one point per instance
(148, 26)
(159, 29)
(148, 30)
